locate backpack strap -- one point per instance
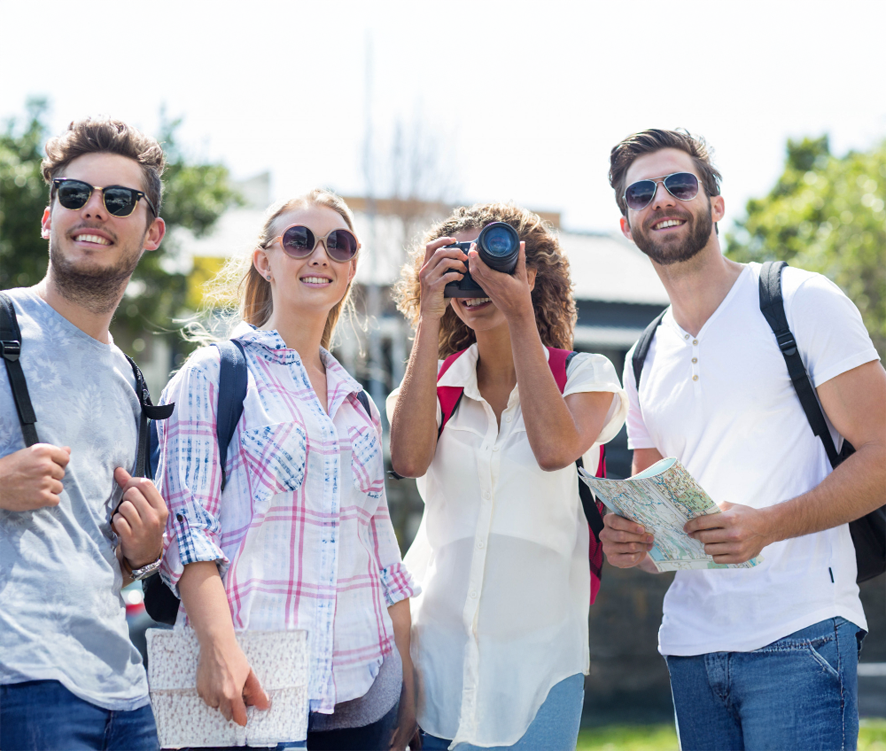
(642, 347)
(10, 350)
(448, 396)
(232, 382)
(772, 307)
(150, 411)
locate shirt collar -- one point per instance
(463, 372)
(270, 346)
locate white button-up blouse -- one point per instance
(502, 558)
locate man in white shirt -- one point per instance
(74, 525)
(767, 656)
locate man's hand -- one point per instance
(735, 535)
(625, 543)
(31, 478)
(139, 520)
(226, 682)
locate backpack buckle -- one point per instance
(786, 343)
(10, 350)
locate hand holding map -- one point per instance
(663, 498)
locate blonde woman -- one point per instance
(300, 537)
(500, 632)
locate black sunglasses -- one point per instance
(298, 241)
(681, 185)
(119, 201)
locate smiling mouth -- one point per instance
(667, 223)
(94, 239)
(315, 280)
(474, 302)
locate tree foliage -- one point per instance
(195, 195)
(826, 214)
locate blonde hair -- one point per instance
(239, 279)
(555, 312)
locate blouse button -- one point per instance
(686, 336)
(694, 378)
(481, 544)
(508, 418)
(473, 594)
(694, 360)
(486, 495)
(179, 517)
(695, 341)
(495, 448)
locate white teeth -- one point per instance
(93, 239)
(470, 302)
(668, 223)
(316, 280)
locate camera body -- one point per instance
(498, 245)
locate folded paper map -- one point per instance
(663, 498)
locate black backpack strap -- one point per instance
(10, 350)
(364, 400)
(148, 411)
(772, 307)
(232, 383)
(642, 347)
(588, 504)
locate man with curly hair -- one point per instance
(766, 656)
(75, 527)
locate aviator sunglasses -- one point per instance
(681, 185)
(118, 200)
(298, 241)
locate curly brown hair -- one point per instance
(555, 313)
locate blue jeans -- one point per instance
(800, 692)
(555, 727)
(39, 715)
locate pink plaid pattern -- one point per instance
(301, 531)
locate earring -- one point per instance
(269, 277)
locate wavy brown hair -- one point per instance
(104, 135)
(552, 299)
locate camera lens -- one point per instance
(499, 246)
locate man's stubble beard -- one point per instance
(666, 254)
(97, 289)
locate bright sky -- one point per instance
(523, 100)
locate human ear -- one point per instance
(626, 228)
(718, 208)
(46, 223)
(155, 234)
(261, 262)
(531, 273)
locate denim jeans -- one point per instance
(39, 715)
(374, 737)
(800, 692)
(555, 727)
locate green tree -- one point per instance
(195, 195)
(826, 214)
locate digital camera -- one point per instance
(499, 246)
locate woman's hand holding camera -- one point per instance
(442, 265)
(510, 293)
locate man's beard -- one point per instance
(668, 252)
(94, 288)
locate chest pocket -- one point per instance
(367, 462)
(276, 456)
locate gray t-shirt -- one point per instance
(61, 613)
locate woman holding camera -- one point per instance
(500, 632)
(300, 536)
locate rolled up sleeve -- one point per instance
(189, 472)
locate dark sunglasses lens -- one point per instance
(639, 194)
(341, 245)
(73, 194)
(298, 242)
(682, 185)
(119, 201)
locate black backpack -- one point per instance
(10, 350)
(868, 532)
(160, 601)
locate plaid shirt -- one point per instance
(301, 531)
